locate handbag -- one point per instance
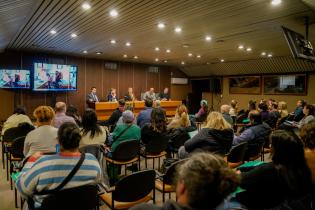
(51, 193)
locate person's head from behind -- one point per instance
(233, 104)
(128, 117)
(309, 109)
(307, 135)
(72, 111)
(282, 105)
(255, 117)
(157, 104)
(93, 90)
(158, 120)
(121, 102)
(44, 115)
(204, 181)
(215, 120)
(182, 113)
(263, 107)
(225, 108)
(89, 118)
(148, 102)
(274, 106)
(69, 137)
(60, 107)
(252, 105)
(204, 104)
(20, 110)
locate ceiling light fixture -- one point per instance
(161, 25)
(263, 53)
(198, 56)
(168, 51)
(128, 44)
(276, 2)
(190, 54)
(248, 49)
(183, 63)
(125, 55)
(157, 49)
(135, 57)
(222, 60)
(165, 61)
(113, 13)
(113, 41)
(53, 32)
(85, 52)
(178, 29)
(269, 55)
(208, 38)
(98, 53)
(86, 6)
(74, 35)
(156, 60)
(241, 47)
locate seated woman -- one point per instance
(216, 137)
(283, 110)
(286, 178)
(181, 119)
(47, 172)
(308, 111)
(43, 138)
(72, 111)
(156, 131)
(201, 115)
(91, 132)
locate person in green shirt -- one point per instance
(126, 131)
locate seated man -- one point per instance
(60, 115)
(115, 115)
(204, 181)
(149, 95)
(165, 96)
(144, 116)
(255, 133)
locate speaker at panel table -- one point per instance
(92, 98)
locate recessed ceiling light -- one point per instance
(113, 41)
(269, 55)
(186, 45)
(125, 55)
(85, 52)
(248, 49)
(157, 49)
(98, 53)
(263, 53)
(241, 47)
(276, 2)
(73, 35)
(208, 63)
(156, 59)
(128, 44)
(168, 51)
(198, 56)
(183, 63)
(222, 60)
(135, 57)
(161, 25)
(113, 13)
(190, 54)
(86, 6)
(208, 38)
(53, 32)
(178, 29)
(165, 61)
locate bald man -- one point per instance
(225, 109)
(60, 116)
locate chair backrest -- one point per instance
(126, 150)
(13, 133)
(17, 147)
(157, 146)
(180, 139)
(78, 198)
(237, 153)
(128, 188)
(170, 173)
(254, 150)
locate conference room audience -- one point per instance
(92, 97)
(215, 137)
(43, 138)
(181, 118)
(112, 97)
(203, 182)
(144, 117)
(307, 135)
(281, 182)
(72, 111)
(91, 132)
(202, 113)
(111, 122)
(149, 95)
(165, 96)
(18, 116)
(156, 130)
(60, 115)
(225, 109)
(46, 172)
(130, 95)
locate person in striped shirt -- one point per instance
(46, 172)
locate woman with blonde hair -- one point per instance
(282, 108)
(44, 137)
(216, 137)
(181, 119)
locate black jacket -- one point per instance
(112, 119)
(148, 135)
(169, 205)
(217, 141)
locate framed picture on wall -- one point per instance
(285, 84)
(245, 85)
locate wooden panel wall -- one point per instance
(91, 72)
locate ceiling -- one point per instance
(26, 25)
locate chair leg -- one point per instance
(7, 165)
(169, 195)
(153, 163)
(15, 198)
(11, 184)
(145, 161)
(159, 163)
(125, 169)
(2, 144)
(154, 196)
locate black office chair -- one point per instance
(128, 192)
(236, 155)
(177, 140)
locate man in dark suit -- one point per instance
(92, 97)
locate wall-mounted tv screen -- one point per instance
(54, 77)
(13, 78)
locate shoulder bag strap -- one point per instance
(121, 133)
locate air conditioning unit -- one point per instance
(179, 81)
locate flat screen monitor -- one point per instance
(14, 78)
(54, 77)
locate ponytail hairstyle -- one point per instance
(69, 136)
(182, 113)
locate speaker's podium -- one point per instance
(105, 109)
